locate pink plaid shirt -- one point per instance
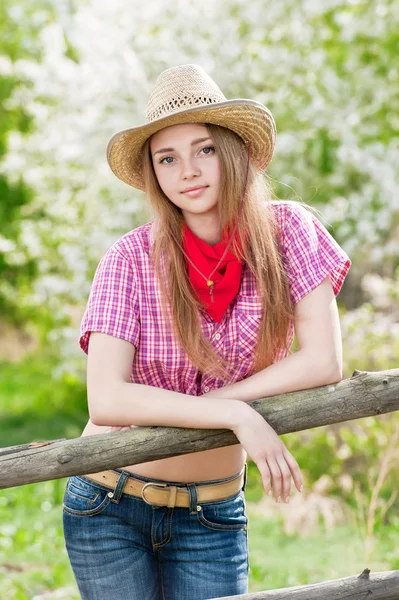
(124, 302)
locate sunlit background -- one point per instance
(71, 75)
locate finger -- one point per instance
(276, 476)
(286, 477)
(265, 473)
(295, 470)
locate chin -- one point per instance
(201, 210)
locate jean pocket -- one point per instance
(84, 499)
(225, 515)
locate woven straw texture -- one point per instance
(187, 94)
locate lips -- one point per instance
(196, 193)
(192, 189)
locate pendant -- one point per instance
(210, 284)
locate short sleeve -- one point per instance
(311, 253)
(112, 306)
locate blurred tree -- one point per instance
(326, 70)
(19, 40)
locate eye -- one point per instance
(161, 161)
(208, 148)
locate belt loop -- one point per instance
(244, 487)
(192, 490)
(120, 484)
(172, 496)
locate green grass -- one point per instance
(34, 405)
(32, 552)
(279, 560)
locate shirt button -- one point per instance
(217, 336)
(206, 389)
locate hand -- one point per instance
(268, 452)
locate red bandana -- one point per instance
(227, 277)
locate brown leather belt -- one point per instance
(162, 494)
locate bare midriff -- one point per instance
(199, 466)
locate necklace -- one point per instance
(209, 282)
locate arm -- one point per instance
(317, 362)
(113, 400)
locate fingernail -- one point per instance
(278, 499)
(287, 499)
(301, 488)
(269, 493)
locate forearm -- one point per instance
(139, 404)
(297, 371)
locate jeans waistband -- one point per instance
(164, 493)
(184, 484)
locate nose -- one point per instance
(189, 169)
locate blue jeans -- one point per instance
(126, 549)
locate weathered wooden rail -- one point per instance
(379, 586)
(364, 394)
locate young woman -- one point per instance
(201, 301)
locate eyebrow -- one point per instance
(193, 143)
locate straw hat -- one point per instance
(187, 94)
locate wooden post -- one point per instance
(364, 394)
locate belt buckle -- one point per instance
(162, 485)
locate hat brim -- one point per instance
(249, 119)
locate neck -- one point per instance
(205, 227)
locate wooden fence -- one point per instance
(364, 394)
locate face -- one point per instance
(184, 157)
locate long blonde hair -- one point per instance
(260, 240)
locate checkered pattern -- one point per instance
(124, 302)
